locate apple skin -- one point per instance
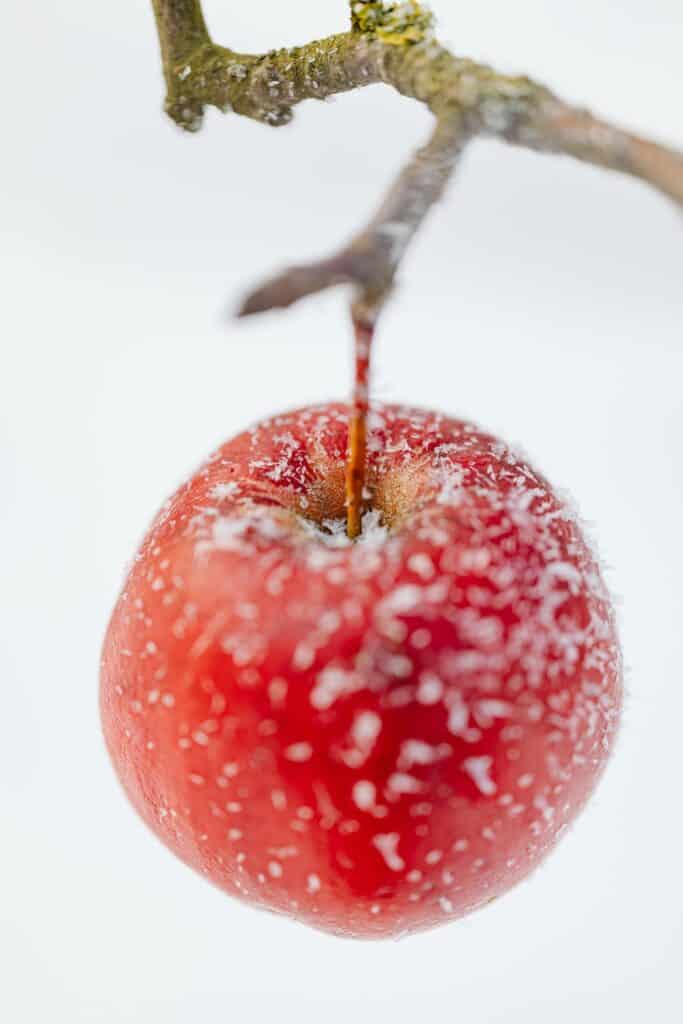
(377, 737)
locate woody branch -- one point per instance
(392, 42)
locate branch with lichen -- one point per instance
(391, 42)
(394, 43)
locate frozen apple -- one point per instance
(375, 736)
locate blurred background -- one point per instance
(543, 300)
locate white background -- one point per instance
(543, 300)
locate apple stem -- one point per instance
(364, 329)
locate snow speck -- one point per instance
(364, 795)
(366, 728)
(299, 752)
(332, 683)
(400, 783)
(430, 689)
(387, 845)
(419, 752)
(479, 770)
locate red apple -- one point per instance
(374, 737)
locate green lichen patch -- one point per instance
(393, 22)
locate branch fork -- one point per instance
(391, 42)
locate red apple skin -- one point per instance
(374, 738)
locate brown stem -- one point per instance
(355, 472)
(364, 313)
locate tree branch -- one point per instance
(394, 43)
(390, 41)
(563, 129)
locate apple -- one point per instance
(378, 736)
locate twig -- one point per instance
(371, 259)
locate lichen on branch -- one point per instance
(395, 24)
(391, 42)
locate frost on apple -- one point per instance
(374, 736)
